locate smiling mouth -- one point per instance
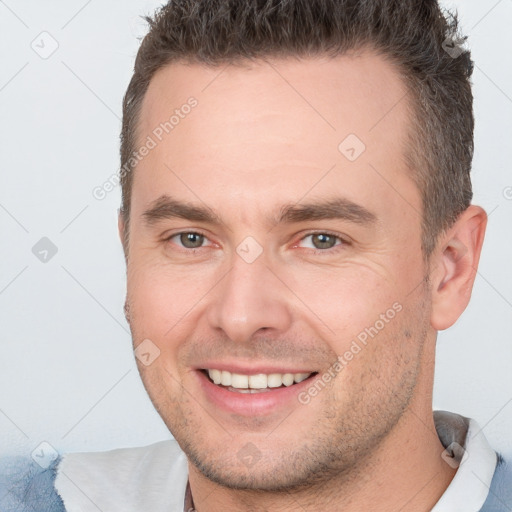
(259, 383)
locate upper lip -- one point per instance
(253, 369)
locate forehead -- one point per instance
(354, 91)
(271, 124)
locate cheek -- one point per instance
(160, 297)
(382, 363)
(347, 299)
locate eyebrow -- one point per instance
(166, 207)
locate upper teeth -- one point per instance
(259, 381)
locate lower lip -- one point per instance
(252, 404)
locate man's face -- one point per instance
(335, 292)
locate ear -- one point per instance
(454, 264)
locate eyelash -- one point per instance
(322, 252)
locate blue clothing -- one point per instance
(500, 493)
(26, 487)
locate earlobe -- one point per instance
(455, 267)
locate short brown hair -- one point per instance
(419, 37)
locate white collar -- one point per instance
(151, 477)
(470, 486)
(155, 477)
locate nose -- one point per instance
(248, 299)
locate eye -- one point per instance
(319, 241)
(322, 242)
(188, 239)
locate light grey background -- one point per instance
(67, 373)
